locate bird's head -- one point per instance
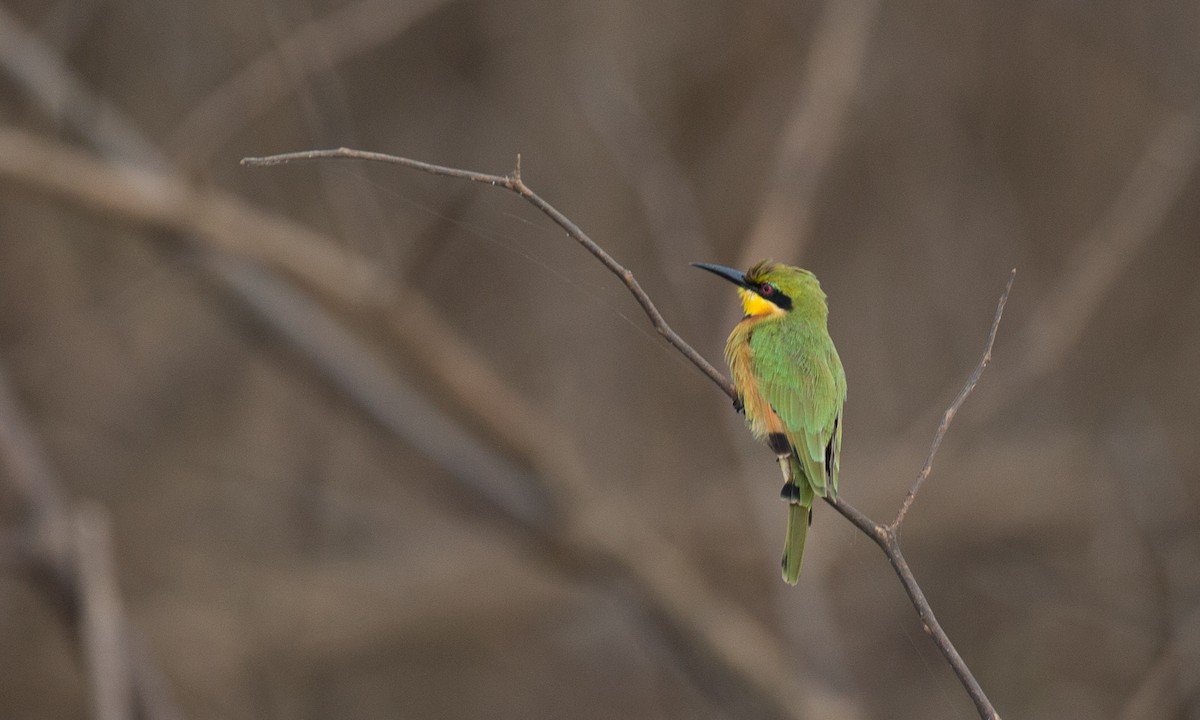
(771, 288)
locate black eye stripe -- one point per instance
(770, 292)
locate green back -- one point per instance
(800, 375)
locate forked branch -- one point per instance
(885, 536)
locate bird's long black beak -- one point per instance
(737, 277)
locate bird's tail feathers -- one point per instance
(793, 548)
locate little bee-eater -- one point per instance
(791, 385)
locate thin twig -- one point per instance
(514, 183)
(948, 416)
(883, 535)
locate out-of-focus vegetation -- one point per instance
(282, 552)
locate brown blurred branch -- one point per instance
(73, 552)
(218, 222)
(640, 151)
(266, 80)
(1158, 694)
(814, 130)
(48, 530)
(65, 97)
(365, 377)
(1159, 496)
(102, 617)
(1135, 216)
(650, 572)
(583, 542)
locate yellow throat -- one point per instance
(755, 305)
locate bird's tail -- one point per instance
(800, 502)
(793, 548)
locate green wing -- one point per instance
(801, 376)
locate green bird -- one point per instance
(791, 385)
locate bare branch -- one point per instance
(514, 183)
(948, 416)
(648, 567)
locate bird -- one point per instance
(791, 386)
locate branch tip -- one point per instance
(952, 411)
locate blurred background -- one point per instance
(339, 440)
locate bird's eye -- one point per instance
(766, 289)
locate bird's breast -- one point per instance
(760, 416)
